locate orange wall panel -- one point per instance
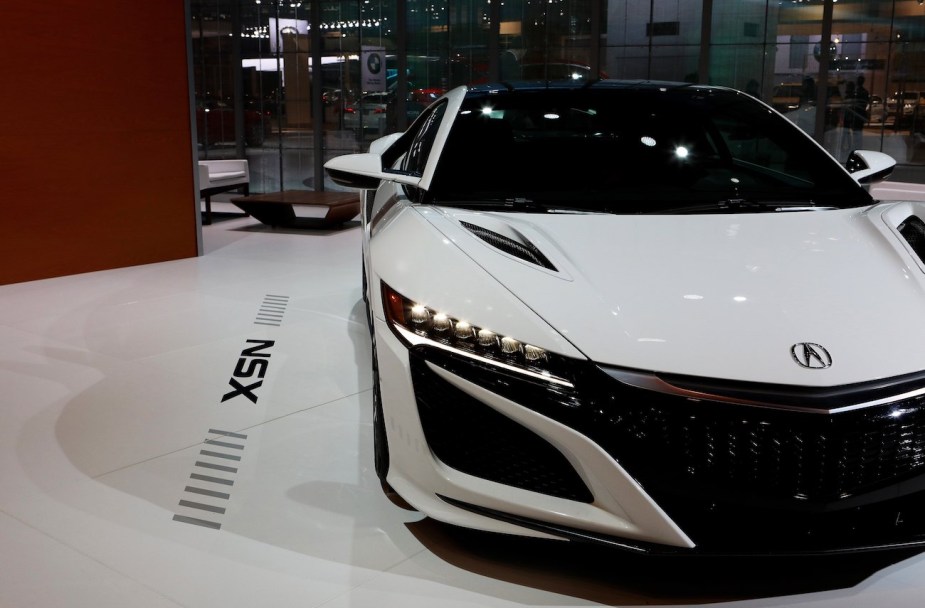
(96, 158)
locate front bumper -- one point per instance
(735, 479)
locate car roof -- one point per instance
(537, 85)
(568, 85)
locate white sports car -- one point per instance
(651, 315)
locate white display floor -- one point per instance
(111, 384)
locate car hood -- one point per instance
(723, 295)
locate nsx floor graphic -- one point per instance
(218, 461)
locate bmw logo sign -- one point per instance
(374, 63)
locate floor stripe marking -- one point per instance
(272, 310)
(228, 434)
(197, 522)
(219, 455)
(202, 507)
(209, 478)
(204, 492)
(225, 444)
(217, 467)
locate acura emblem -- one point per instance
(810, 355)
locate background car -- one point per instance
(901, 107)
(331, 95)
(632, 314)
(426, 96)
(416, 102)
(787, 97)
(368, 114)
(876, 110)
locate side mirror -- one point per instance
(364, 171)
(867, 166)
(382, 144)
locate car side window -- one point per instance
(423, 141)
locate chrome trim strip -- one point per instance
(653, 383)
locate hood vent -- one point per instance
(525, 250)
(913, 230)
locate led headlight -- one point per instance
(417, 324)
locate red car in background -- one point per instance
(426, 96)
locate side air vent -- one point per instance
(913, 230)
(525, 251)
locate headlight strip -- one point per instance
(416, 324)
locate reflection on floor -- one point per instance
(142, 463)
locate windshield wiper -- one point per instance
(555, 206)
(741, 205)
(523, 204)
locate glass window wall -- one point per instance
(274, 86)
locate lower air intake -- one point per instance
(471, 437)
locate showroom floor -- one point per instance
(144, 462)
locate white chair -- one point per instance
(221, 176)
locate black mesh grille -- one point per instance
(738, 478)
(770, 455)
(526, 252)
(913, 230)
(475, 439)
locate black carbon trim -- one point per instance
(913, 230)
(824, 399)
(566, 533)
(351, 180)
(584, 536)
(524, 251)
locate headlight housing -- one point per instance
(416, 323)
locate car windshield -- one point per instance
(634, 150)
